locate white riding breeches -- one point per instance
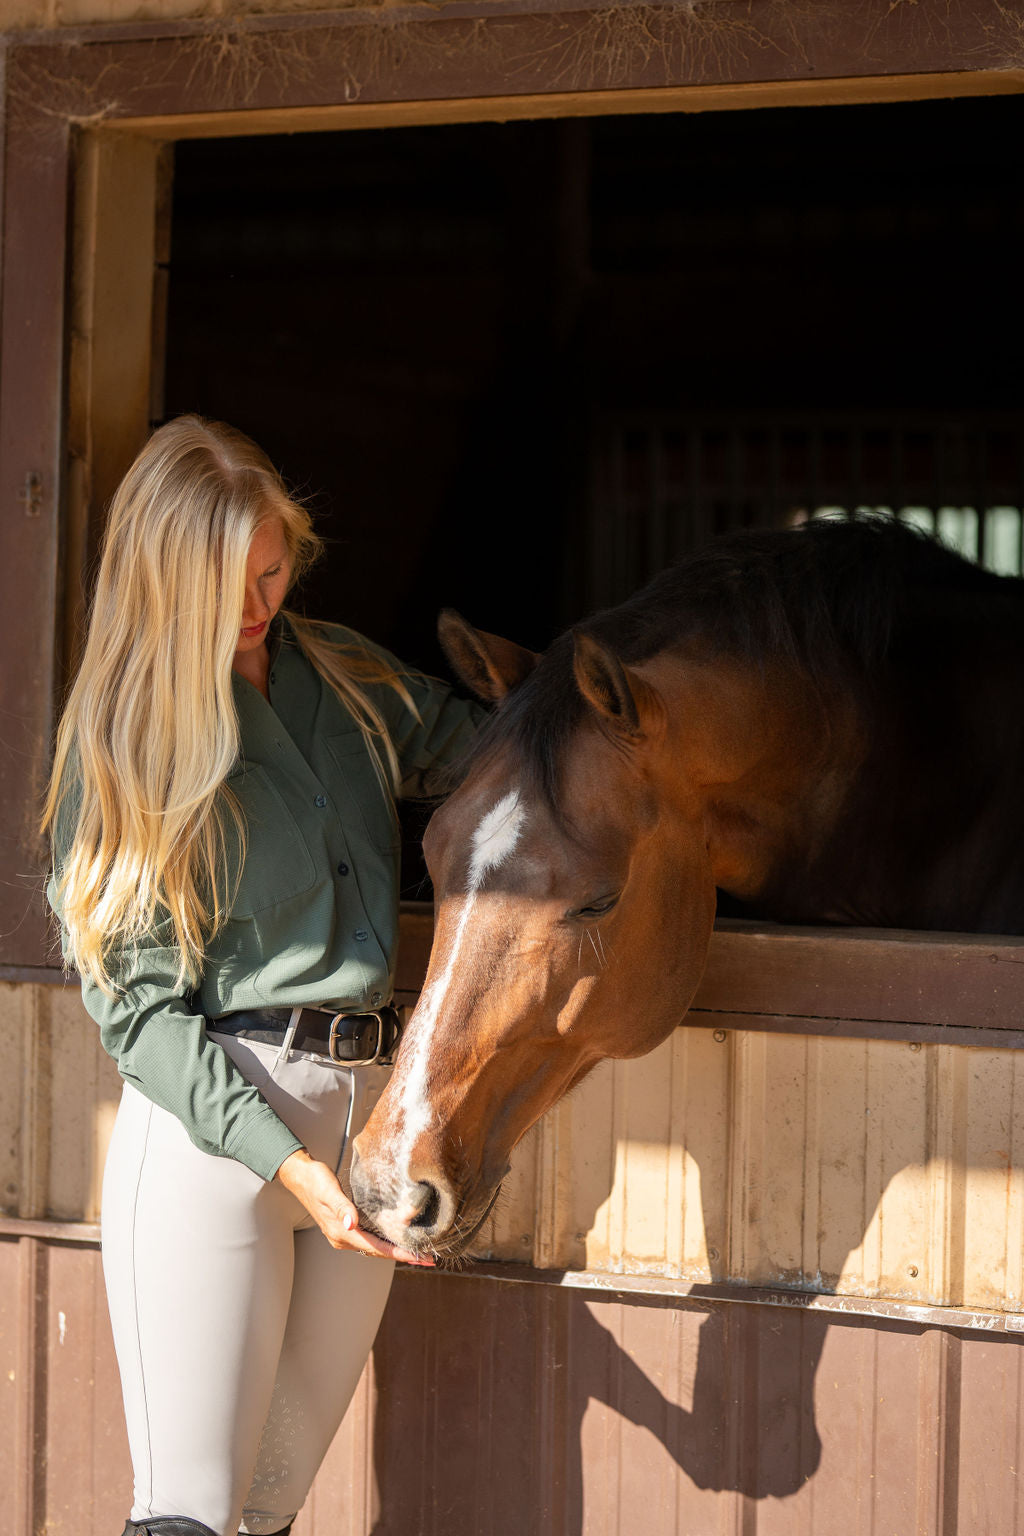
(240, 1332)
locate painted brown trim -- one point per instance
(78, 1232)
(37, 975)
(857, 1029)
(32, 503)
(688, 1294)
(873, 25)
(558, 104)
(485, 50)
(861, 977)
(951, 989)
(615, 1287)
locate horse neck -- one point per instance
(931, 829)
(763, 757)
(896, 807)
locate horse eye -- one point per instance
(596, 908)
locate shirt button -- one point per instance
(361, 935)
(342, 869)
(321, 801)
(273, 677)
(375, 998)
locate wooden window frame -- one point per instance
(90, 119)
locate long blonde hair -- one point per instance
(150, 732)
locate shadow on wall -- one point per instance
(489, 1419)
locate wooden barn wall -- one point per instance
(766, 1280)
(491, 1408)
(757, 1157)
(757, 1281)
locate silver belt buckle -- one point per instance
(365, 1061)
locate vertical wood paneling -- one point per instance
(27, 1466)
(58, 1094)
(904, 1199)
(36, 1100)
(85, 1090)
(510, 1232)
(493, 1408)
(992, 1433)
(344, 1497)
(867, 1167)
(10, 1388)
(993, 1235)
(14, 1033)
(771, 1159)
(88, 1474)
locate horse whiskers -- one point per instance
(450, 1253)
(599, 954)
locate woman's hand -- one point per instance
(317, 1188)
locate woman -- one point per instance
(225, 872)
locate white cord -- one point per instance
(289, 1035)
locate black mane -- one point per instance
(828, 597)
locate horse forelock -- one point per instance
(532, 728)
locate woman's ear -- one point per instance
(488, 665)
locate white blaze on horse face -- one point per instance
(495, 839)
(494, 842)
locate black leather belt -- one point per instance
(351, 1039)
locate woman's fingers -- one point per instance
(356, 1240)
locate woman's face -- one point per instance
(267, 574)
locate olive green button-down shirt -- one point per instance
(315, 917)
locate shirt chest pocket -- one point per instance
(365, 803)
(278, 865)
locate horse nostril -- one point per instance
(429, 1209)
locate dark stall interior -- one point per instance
(518, 367)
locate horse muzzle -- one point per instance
(425, 1215)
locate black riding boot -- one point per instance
(167, 1525)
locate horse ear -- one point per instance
(606, 685)
(487, 664)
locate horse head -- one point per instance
(574, 900)
(782, 716)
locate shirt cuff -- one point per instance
(263, 1144)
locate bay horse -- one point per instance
(826, 724)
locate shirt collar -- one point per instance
(279, 633)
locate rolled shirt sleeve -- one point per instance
(160, 1046)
